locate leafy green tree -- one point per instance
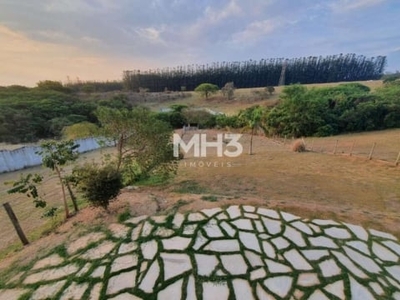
(206, 89)
(254, 119)
(118, 126)
(55, 155)
(144, 143)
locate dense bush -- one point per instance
(328, 111)
(202, 118)
(223, 121)
(98, 184)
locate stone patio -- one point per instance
(239, 252)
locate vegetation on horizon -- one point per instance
(252, 73)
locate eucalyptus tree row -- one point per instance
(253, 73)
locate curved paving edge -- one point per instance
(239, 252)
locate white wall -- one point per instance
(13, 160)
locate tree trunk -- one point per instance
(71, 194)
(63, 192)
(119, 149)
(251, 142)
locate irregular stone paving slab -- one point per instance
(279, 285)
(250, 241)
(223, 246)
(50, 261)
(125, 296)
(338, 233)
(206, 264)
(121, 281)
(95, 292)
(173, 291)
(48, 291)
(98, 272)
(359, 232)
(382, 234)
(242, 289)
(296, 260)
(392, 246)
(329, 268)
(51, 274)
(176, 243)
(336, 289)
(234, 264)
(119, 230)
(175, 264)
(308, 279)
(74, 291)
(84, 241)
(358, 291)
(384, 253)
(238, 252)
(360, 246)
(215, 290)
(127, 247)
(294, 236)
(99, 251)
(149, 249)
(149, 280)
(12, 293)
(318, 295)
(124, 262)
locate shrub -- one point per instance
(98, 184)
(298, 146)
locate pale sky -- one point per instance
(98, 39)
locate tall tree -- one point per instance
(143, 142)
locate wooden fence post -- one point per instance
(334, 151)
(398, 159)
(351, 149)
(372, 151)
(15, 222)
(312, 145)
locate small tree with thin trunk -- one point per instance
(206, 89)
(55, 155)
(254, 117)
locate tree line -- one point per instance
(252, 73)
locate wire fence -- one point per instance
(384, 149)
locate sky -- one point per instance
(65, 40)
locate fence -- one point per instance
(368, 149)
(24, 157)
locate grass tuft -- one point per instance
(299, 146)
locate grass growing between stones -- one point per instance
(190, 187)
(233, 251)
(210, 198)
